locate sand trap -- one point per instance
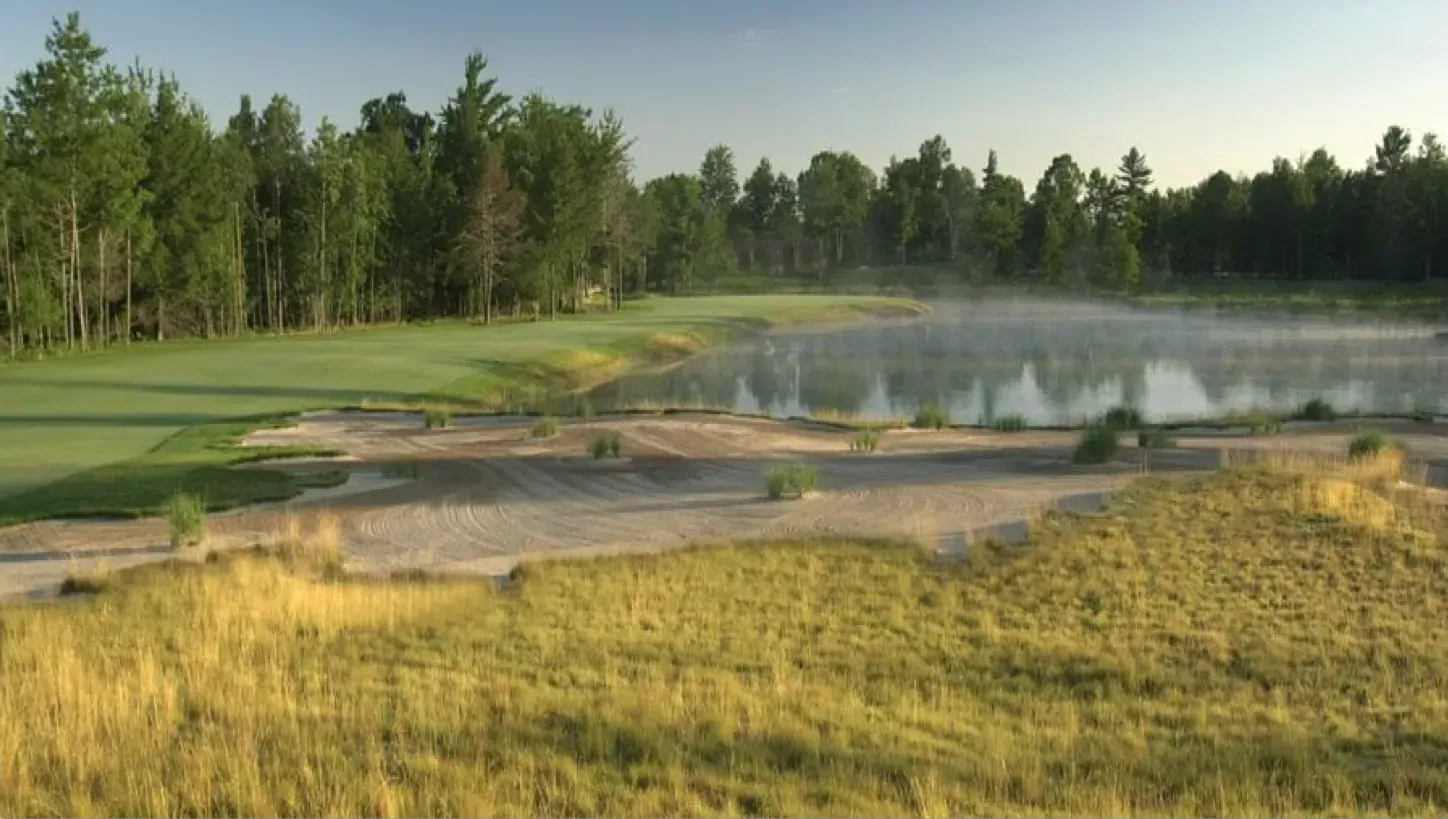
(488, 494)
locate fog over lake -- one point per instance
(1057, 362)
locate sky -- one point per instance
(1197, 86)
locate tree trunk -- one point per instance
(238, 307)
(12, 291)
(105, 305)
(278, 268)
(160, 318)
(128, 286)
(322, 287)
(80, 312)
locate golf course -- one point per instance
(99, 424)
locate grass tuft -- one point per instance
(1010, 423)
(932, 416)
(790, 481)
(545, 427)
(1098, 445)
(1316, 410)
(437, 417)
(866, 440)
(1370, 442)
(605, 445)
(186, 518)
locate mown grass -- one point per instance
(195, 461)
(104, 414)
(1194, 651)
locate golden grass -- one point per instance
(1266, 641)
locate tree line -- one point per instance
(125, 213)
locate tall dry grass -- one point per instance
(1267, 641)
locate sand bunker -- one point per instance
(487, 494)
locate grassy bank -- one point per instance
(1267, 641)
(1419, 301)
(112, 412)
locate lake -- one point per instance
(1061, 363)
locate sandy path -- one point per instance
(488, 495)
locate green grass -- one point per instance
(932, 416)
(866, 440)
(1369, 442)
(1316, 410)
(1098, 445)
(546, 427)
(186, 517)
(605, 445)
(436, 417)
(1010, 423)
(1365, 297)
(1190, 653)
(98, 420)
(195, 461)
(790, 481)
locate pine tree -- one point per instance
(492, 229)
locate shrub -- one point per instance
(1316, 410)
(436, 418)
(186, 515)
(865, 440)
(546, 427)
(932, 416)
(1122, 418)
(1154, 438)
(1098, 445)
(1369, 442)
(1010, 423)
(790, 481)
(603, 445)
(598, 447)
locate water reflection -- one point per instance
(1057, 363)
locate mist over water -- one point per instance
(1062, 362)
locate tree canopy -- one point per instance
(126, 213)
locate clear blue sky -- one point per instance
(1197, 85)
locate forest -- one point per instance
(126, 214)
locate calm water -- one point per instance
(1057, 363)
